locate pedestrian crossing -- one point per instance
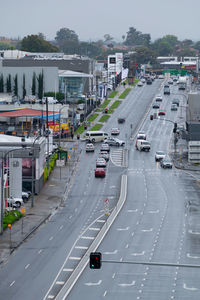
(118, 157)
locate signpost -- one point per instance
(106, 207)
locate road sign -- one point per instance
(23, 210)
(60, 163)
(106, 207)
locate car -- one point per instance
(121, 120)
(114, 142)
(115, 131)
(174, 106)
(166, 85)
(25, 196)
(15, 202)
(149, 81)
(156, 105)
(161, 112)
(100, 172)
(105, 147)
(140, 83)
(170, 81)
(158, 98)
(89, 147)
(105, 155)
(160, 76)
(100, 162)
(141, 135)
(166, 163)
(159, 155)
(176, 101)
(166, 90)
(143, 145)
(143, 80)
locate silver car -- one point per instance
(159, 155)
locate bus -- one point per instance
(96, 136)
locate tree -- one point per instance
(66, 34)
(33, 88)
(187, 43)
(135, 37)
(40, 85)
(145, 55)
(6, 46)
(8, 84)
(24, 86)
(108, 37)
(16, 85)
(1, 84)
(197, 46)
(162, 47)
(186, 51)
(34, 43)
(172, 40)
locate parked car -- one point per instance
(166, 163)
(121, 120)
(114, 142)
(100, 162)
(115, 131)
(174, 107)
(156, 105)
(159, 155)
(100, 172)
(15, 202)
(89, 147)
(161, 112)
(105, 147)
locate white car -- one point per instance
(158, 98)
(115, 131)
(161, 77)
(159, 155)
(114, 142)
(14, 202)
(105, 147)
(89, 147)
(141, 135)
(140, 83)
(100, 162)
(143, 80)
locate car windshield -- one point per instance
(160, 153)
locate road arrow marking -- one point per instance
(137, 254)
(114, 252)
(93, 283)
(127, 284)
(189, 288)
(123, 229)
(147, 230)
(154, 211)
(190, 256)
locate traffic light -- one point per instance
(136, 66)
(175, 127)
(95, 260)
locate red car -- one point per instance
(100, 172)
(161, 113)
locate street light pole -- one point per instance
(32, 176)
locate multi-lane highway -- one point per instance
(152, 226)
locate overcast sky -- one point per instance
(91, 19)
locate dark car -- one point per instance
(149, 81)
(176, 101)
(174, 107)
(166, 90)
(121, 120)
(105, 155)
(156, 105)
(166, 163)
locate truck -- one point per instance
(182, 82)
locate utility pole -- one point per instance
(47, 134)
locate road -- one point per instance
(155, 206)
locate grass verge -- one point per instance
(96, 127)
(125, 93)
(92, 117)
(115, 104)
(10, 217)
(106, 102)
(113, 94)
(104, 118)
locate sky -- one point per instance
(92, 19)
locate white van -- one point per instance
(96, 136)
(143, 145)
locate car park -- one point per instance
(100, 162)
(158, 98)
(15, 202)
(174, 107)
(115, 131)
(176, 101)
(105, 155)
(161, 112)
(121, 120)
(100, 172)
(166, 163)
(105, 147)
(114, 142)
(159, 155)
(156, 105)
(89, 147)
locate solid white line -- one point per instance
(40, 251)
(68, 270)
(94, 228)
(60, 282)
(87, 237)
(51, 238)
(12, 283)
(81, 247)
(27, 266)
(104, 293)
(74, 258)
(51, 297)
(61, 227)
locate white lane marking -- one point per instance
(87, 237)
(113, 276)
(127, 284)
(40, 251)
(114, 252)
(147, 230)
(93, 283)
(74, 258)
(126, 246)
(51, 238)
(189, 288)
(81, 247)
(101, 221)
(27, 266)
(60, 282)
(68, 270)
(123, 229)
(154, 211)
(76, 209)
(94, 228)
(191, 256)
(70, 217)
(12, 283)
(51, 297)
(104, 293)
(137, 254)
(112, 187)
(61, 227)
(193, 232)
(132, 210)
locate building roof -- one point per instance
(25, 112)
(68, 73)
